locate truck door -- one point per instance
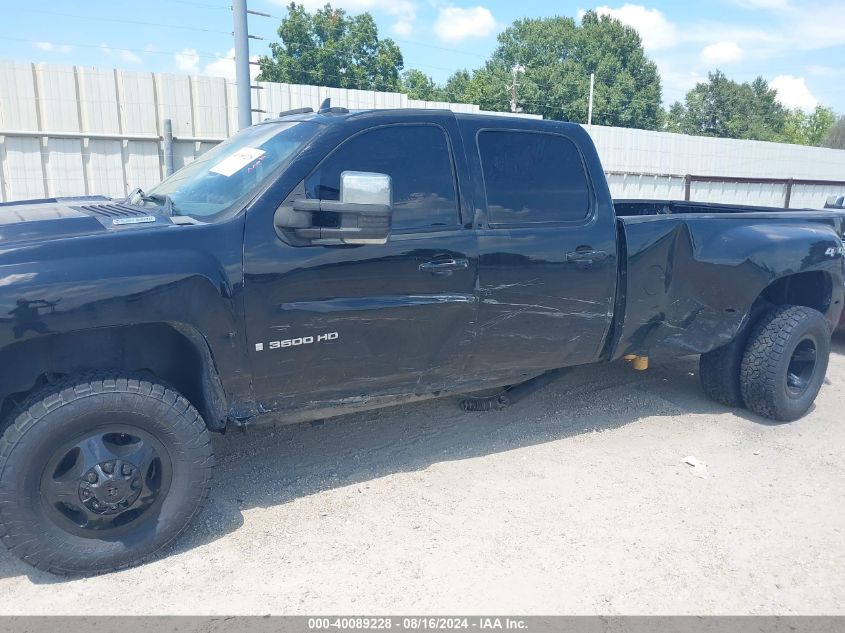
(547, 249)
(328, 324)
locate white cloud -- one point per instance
(722, 53)
(224, 66)
(826, 71)
(704, 32)
(770, 5)
(122, 54)
(53, 48)
(814, 27)
(455, 24)
(403, 11)
(403, 28)
(655, 30)
(793, 92)
(187, 59)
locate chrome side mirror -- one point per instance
(364, 212)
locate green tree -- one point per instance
(457, 89)
(558, 56)
(458, 86)
(674, 118)
(835, 137)
(417, 85)
(724, 108)
(808, 129)
(331, 48)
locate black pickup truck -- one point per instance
(322, 263)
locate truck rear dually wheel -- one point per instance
(719, 373)
(101, 472)
(719, 369)
(785, 362)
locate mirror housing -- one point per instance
(364, 212)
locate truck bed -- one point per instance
(690, 271)
(636, 207)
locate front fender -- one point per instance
(187, 275)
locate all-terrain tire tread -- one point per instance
(719, 374)
(52, 396)
(764, 355)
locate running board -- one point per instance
(513, 394)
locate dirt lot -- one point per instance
(576, 500)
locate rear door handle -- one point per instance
(443, 266)
(586, 258)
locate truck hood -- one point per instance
(55, 218)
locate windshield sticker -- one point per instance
(237, 161)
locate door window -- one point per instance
(417, 159)
(533, 178)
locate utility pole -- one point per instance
(515, 70)
(167, 138)
(590, 109)
(242, 64)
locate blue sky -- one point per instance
(799, 47)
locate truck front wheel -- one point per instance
(785, 362)
(101, 472)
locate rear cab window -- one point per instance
(532, 178)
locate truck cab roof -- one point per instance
(337, 116)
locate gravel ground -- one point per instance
(577, 500)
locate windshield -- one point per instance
(232, 170)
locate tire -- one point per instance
(719, 373)
(101, 472)
(719, 369)
(785, 362)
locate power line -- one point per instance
(204, 30)
(202, 4)
(206, 55)
(116, 48)
(123, 21)
(405, 41)
(303, 45)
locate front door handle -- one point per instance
(443, 267)
(586, 258)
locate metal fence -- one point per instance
(644, 164)
(75, 130)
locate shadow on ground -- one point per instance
(269, 466)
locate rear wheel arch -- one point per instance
(811, 289)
